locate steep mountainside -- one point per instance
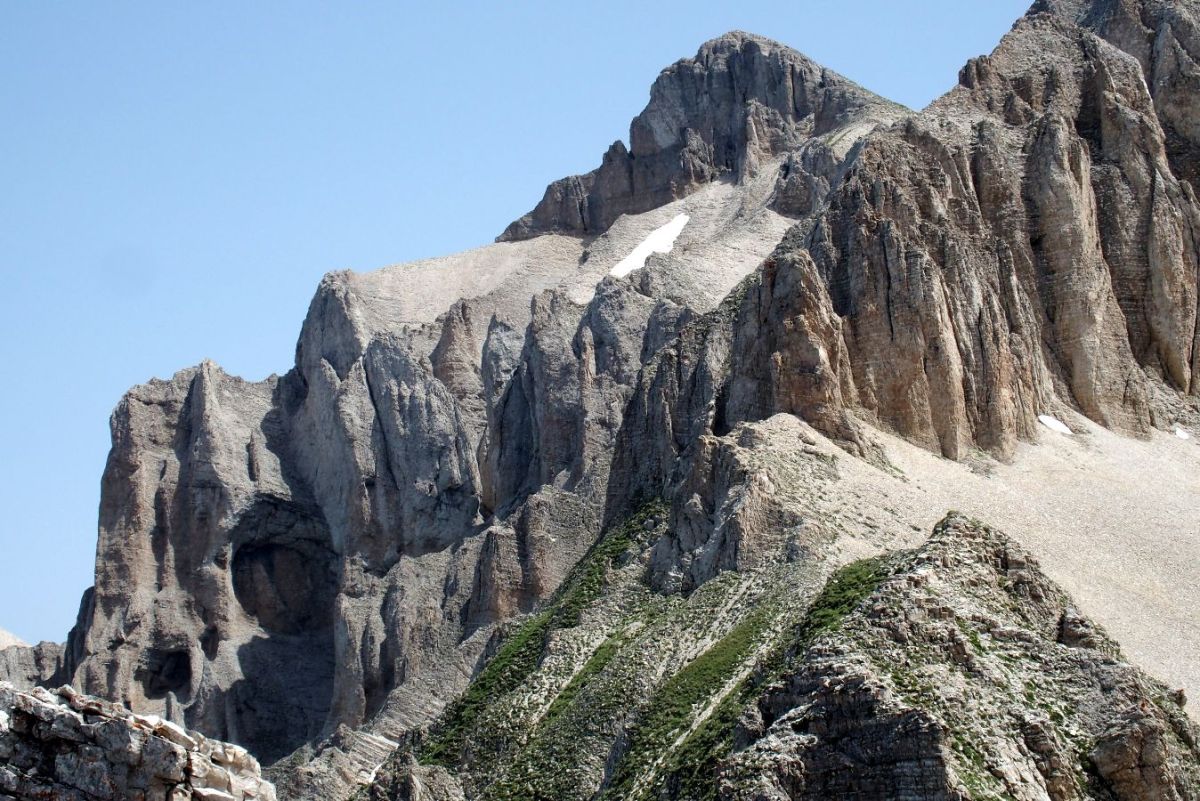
(954, 671)
(538, 525)
(283, 562)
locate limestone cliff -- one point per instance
(283, 562)
(321, 565)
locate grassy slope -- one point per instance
(586, 733)
(522, 651)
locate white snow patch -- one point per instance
(1053, 423)
(1179, 432)
(660, 240)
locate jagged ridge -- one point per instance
(740, 103)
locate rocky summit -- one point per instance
(651, 498)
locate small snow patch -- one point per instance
(1053, 423)
(1179, 432)
(660, 241)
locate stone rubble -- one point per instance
(65, 746)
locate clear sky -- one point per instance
(175, 177)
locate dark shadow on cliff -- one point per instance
(283, 700)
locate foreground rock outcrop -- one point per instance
(966, 674)
(70, 747)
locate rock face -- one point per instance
(314, 566)
(1027, 241)
(739, 104)
(27, 666)
(1026, 237)
(284, 561)
(73, 747)
(966, 673)
(1025, 244)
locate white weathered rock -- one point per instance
(64, 745)
(8, 640)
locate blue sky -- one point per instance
(178, 176)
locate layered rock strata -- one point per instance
(966, 674)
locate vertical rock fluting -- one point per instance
(281, 560)
(273, 556)
(801, 367)
(1024, 241)
(1003, 247)
(277, 557)
(212, 572)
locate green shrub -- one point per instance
(587, 579)
(522, 651)
(596, 663)
(691, 772)
(673, 706)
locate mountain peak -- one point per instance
(737, 39)
(741, 100)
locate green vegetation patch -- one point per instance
(587, 579)
(558, 761)
(517, 658)
(673, 706)
(522, 651)
(845, 590)
(596, 663)
(691, 771)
